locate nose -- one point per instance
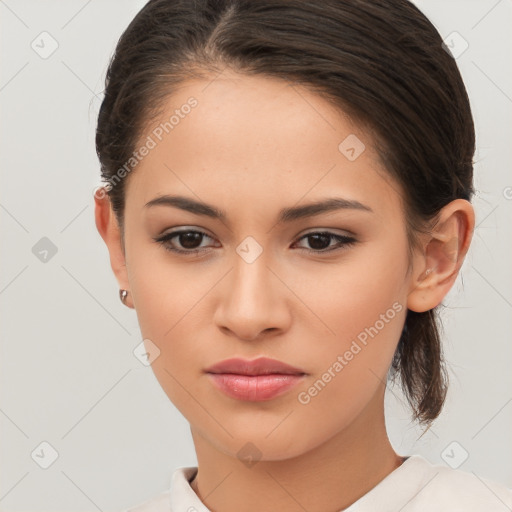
(254, 301)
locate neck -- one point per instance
(330, 476)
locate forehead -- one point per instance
(253, 142)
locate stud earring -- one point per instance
(122, 295)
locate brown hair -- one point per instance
(381, 61)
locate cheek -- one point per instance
(360, 305)
(165, 290)
(352, 293)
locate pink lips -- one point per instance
(256, 380)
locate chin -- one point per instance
(250, 445)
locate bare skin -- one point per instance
(252, 146)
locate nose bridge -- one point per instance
(251, 276)
(251, 301)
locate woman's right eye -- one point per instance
(187, 238)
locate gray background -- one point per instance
(68, 374)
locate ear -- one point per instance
(437, 267)
(108, 228)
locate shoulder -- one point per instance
(444, 488)
(158, 503)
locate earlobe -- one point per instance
(108, 228)
(439, 265)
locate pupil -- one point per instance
(187, 240)
(316, 238)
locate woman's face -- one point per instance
(251, 147)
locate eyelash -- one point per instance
(344, 240)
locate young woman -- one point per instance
(286, 203)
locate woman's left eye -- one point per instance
(319, 240)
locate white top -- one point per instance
(415, 486)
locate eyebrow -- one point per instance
(285, 215)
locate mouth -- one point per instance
(257, 380)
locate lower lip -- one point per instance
(254, 388)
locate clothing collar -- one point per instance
(391, 493)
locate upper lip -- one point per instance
(259, 366)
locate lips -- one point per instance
(254, 380)
(259, 366)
